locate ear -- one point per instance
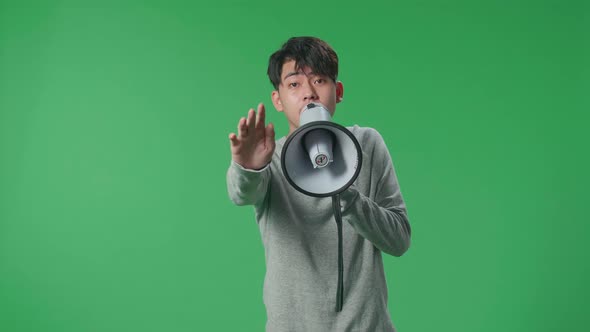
(339, 91)
(276, 100)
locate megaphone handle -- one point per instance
(338, 217)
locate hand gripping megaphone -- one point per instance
(322, 159)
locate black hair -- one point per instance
(310, 52)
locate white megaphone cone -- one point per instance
(321, 159)
(318, 142)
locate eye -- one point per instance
(319, 81)
(293, 84)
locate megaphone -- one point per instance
(322, 159)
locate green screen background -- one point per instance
(114, 120)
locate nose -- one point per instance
(309, 94)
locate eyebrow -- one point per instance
(293, 73)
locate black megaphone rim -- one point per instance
(330, 124)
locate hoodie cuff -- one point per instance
(240, 167)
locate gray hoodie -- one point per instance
(300, 240)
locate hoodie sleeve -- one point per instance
(246, 186)
(382, 220)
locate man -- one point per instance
(298, 231)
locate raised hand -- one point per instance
(254, 145)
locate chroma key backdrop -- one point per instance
(114, 123)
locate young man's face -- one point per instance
(299, 88)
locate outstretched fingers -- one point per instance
(250, 122)
(260, 117)
(252, 132)
(242, 128)
(269, 132)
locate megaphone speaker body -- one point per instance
(320, 158)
